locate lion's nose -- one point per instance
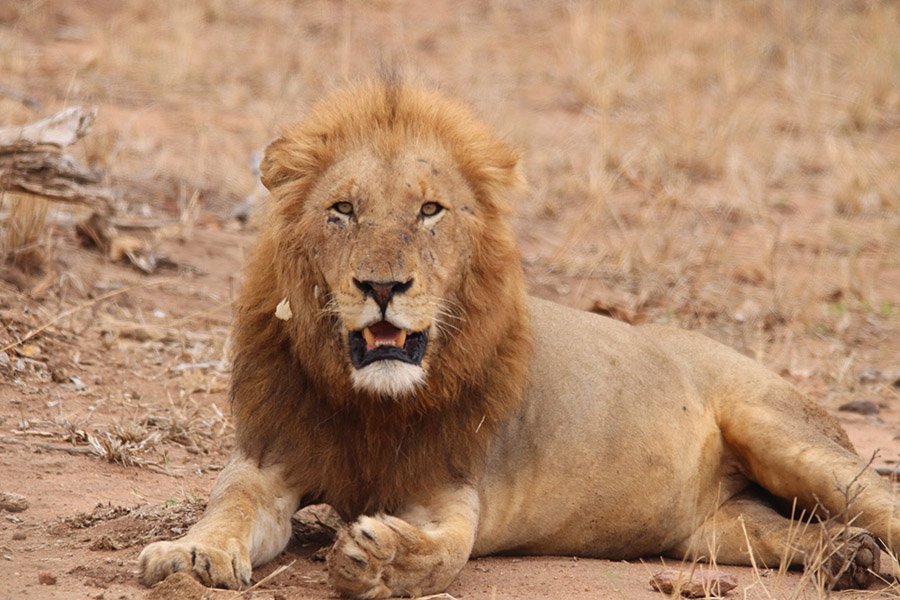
(382, 291)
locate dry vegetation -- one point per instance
(25, 233)
(733, 167)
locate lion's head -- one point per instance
(387, 204)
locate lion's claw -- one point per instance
(227, 568)
(359, 563)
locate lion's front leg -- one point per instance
(419, 552)
(247, 523)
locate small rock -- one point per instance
(19, 536)
(862, 407)
(243, 209)
(698, 583)
(13, 502)
(4, 359)
(28, 350)
(104, 542)
(178, 585)
(869, 375)
(77, 383)
(58, 375)
(46, 578)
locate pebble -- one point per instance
(699, 583)
(869, 375)
(862, 407)
(19, 536)
(58, 374)
(13, 502)
(46, 578)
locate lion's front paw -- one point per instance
(227, 567)
(359, 563)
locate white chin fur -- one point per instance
(388, 377)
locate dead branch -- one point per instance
(74, 450)
(60, 130)
(31, 160)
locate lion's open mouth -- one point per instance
(384, 341)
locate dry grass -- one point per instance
(822, 562)
(24, 234)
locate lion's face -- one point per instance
(389, 236)
(387, 233)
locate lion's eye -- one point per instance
(345, 208)
(430, 209)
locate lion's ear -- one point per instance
(494, 169)
(298, 156)
(501, 165)
(273, 168)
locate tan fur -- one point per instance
(535, 428)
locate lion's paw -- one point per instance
(359, 563)
(215, 567)
(855, 564)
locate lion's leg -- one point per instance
(845, 557)
(419, 553)
(794, 449)
(247, 522)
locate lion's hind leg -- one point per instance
(746, 530)
(795, 449)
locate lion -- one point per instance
(409, 382)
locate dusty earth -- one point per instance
(729, 167)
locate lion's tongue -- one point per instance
(384, 334)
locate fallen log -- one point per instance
(31, 160)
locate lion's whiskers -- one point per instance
(330, 308)
(444, 327)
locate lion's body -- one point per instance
(608, 417)
(613, 414)
(418, 390)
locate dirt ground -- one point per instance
(732, 168)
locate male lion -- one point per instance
(418, 391)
